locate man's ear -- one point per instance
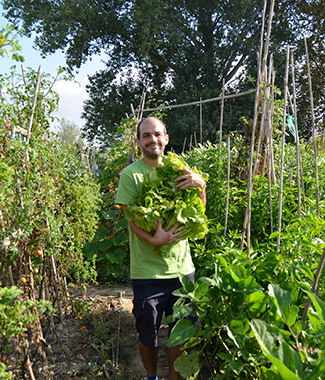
(167, 139)
(138, 142)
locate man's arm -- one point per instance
(191, 179)
(161, 237)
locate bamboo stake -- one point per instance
(199, 102)
(24, 79)
(133, 112)
(282, 151)
(313, 125)
(290, 179)
(303, 184)
(259, 63)
(314, 286)
(228, 185)
(56, 287)
(247, 221)
(40, 337)
(142, 105)
(191, 143)
(34, 103)
(201, 124)
(248, 209)
(195, 139)
(221, 117)
(29, 369)
(268, 34)
(184, 145)
(261, 134)
(257, 99)
(270, 193)
(297, 132)
(46, 288)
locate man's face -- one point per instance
(153, 139)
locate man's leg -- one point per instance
(149, 358)
(173, 354)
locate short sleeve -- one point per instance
(127, 189)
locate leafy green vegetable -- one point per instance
(160, 198)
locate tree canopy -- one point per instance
(176, 51)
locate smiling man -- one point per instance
(154, 278)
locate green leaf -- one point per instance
(319, 306)
(188, 365)
(236, 332)
(256, 303)
(181, 333)
(200, 290)
(282, 300)
(273, 345)
(117, 256)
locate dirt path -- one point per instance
(71, 352)
(128, 334)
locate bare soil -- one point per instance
(75, 353)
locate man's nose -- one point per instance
(154, 138)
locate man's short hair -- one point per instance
(145, 120)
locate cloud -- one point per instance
(72, 95)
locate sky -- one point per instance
(72, 95)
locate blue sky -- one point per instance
(71, 94)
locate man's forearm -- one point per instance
(142, 234)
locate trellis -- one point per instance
(265, 76)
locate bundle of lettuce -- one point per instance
(160, 198)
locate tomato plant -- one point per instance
(48, 201)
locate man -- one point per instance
(155, 278)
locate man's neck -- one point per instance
(154, 162)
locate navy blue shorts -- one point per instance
(152, 298)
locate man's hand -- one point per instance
(191, 179)
(162, 237)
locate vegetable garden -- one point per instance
(259, 291)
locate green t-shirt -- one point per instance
(145, 264)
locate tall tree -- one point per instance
(9, 43)
(69, 133)
(178, 51)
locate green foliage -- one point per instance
(70, 134)
(236, 305)
(109, 246)
(16, 316)
(160, 198)
(48, 198)
(8, 39)
(182, 56)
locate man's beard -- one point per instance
(153, 154)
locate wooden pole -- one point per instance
(282, 151)
(56, 287)
(195, 139)
(34, 103)
(270, 192)
(221, 117)
(272, 167)
(201, 123)
(257, 100)
(184, 145)
(313, 125)
(228, 185)
(232, 96)
(296, 129)
(29, 369)
(247, 221)
(314, 286)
